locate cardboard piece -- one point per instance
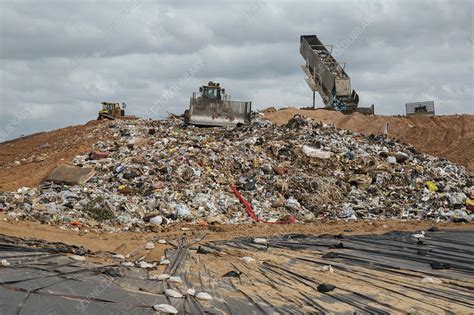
(70, 175)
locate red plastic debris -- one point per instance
(288, 219)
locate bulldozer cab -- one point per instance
(211, 93)
(108, 107)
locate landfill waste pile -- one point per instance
(160, 172)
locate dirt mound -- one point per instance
(451, 137)
(27, 161)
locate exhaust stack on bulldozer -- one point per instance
(212, 107)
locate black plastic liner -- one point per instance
(373, 274)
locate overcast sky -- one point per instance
(60, 59)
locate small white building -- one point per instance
(420, 108)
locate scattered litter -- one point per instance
(156, 220)
(431, 280)
(145, 265)
(165, 308)
(324, 288)
(247, 260)
(149, 245)
(175, 279)
(112, 272)
(78, 258)
(191, 291)
(5, 263)
(233, 273)
(299, 172)
(419, 235)
(327, 268)
(118, 256)
(173, 293)
(165, 262)
(204, 296)
(260, 240)
(316, 153)
(202, 250)
(440, 265)
(331, 255)
(162, 241)
(161, 277)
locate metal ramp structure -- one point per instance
(325, 75)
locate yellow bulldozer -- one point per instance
(213, 107)
(112, 111)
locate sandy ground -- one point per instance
(58, 146)
(451, 137)
(128, 242)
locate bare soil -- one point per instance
(58, 146)
(128, 242)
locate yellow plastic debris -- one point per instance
(469, 202)
(431, 186)
(121, 187)
(419, 169)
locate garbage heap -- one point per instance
(160, 172)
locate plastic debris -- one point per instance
(247, 260)
(161, 277)
(145, 265)
(440, 265)
(149, 245)
(260, 240)
(78, 258)
(175, 279)
(156, 220)
(419, 235)
(202, 250)
(431, 186)
(5, 263)
(173, 293)
(112, 272)
(232, 274)
(327, 268)
(431, 280)
(118, 256)
(165, 308)
(191, 291)
(316, 153)
(204, 296)
(324, 288)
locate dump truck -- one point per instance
(325, 75)
(113, 111)
(212, 107)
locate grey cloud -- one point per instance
(58, 56)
